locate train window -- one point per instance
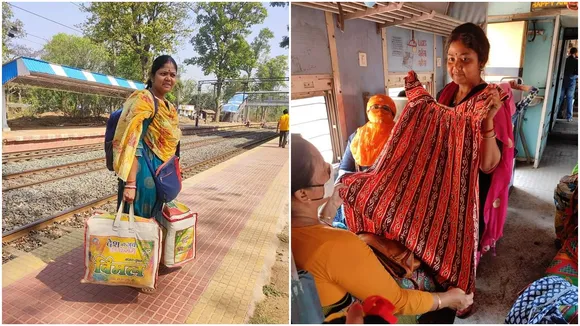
(396, 83)
(310, 119)
(494, 79)
(394, 91)
(505, 56)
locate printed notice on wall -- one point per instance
(422, 53)
(397, 46)
(409, 51)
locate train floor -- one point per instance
(527, 247)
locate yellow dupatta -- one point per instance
(370, 139)
(162, 135)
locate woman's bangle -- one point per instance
(438, 301)
(490, 137)
(490, 130)
(130, 187)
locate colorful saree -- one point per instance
(159, 143)
(565, 264)
(422, 190)
(162, 135)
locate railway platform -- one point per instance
(242, 205)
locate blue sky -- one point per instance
(69, 14)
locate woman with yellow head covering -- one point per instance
(365, 145)
(144, 134)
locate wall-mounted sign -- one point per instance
(362, 59)
(409, 50)
(549, 5)
(397, 46)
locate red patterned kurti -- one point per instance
(423, 188)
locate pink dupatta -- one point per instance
(496, 204)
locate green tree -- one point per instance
(76, 51)
(204, 101)
(260, 49)
(135, 32)
(11, 28)
(274, 68)
(285, 40)
(69, 103)
(220, 43)
(187, 90)
(230, 89)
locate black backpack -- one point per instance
(112, 127)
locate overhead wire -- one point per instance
(30, 12)
(31, 41)
(42, 38)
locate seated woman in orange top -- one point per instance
(342, 265)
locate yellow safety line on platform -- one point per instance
(229, 296)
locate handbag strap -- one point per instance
(147, 160)
(156, 105)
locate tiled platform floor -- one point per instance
(242, 204)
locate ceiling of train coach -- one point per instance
(440, 7)
(419, 16)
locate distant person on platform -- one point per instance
(569, 84)
(284, 128)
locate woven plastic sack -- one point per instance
(122, 250)
(178, 224)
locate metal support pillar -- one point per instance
(4, 112)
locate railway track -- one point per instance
(89, 163)
(78, 149)
(48, 152)
(188, 171)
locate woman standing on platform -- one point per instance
(145, 132)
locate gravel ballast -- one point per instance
(17, 167)
(26, 205)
